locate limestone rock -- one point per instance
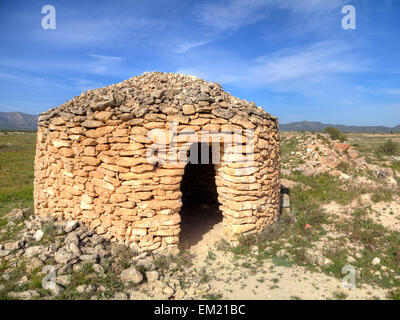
(131, 275)
(71, 225)
(38, 235)
(62, 256)
(24, 295)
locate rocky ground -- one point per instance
(340, 209)
(86, 266)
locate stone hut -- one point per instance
(124, 159)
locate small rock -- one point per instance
(309, 172)
(96, 240)
(134, 247)
(66, 269)
(376, 261)
(25, 295)
(33, 263)
(71, 225)
(365, 199)
(23, 280)
(157, 94)
(62, 256)
(55, 289)
(120, 296)
(15, 214)
(152, 276)
(168, 290)
(285, 201)
(323, 261)
(4, 253)
(73, 247)
(316, 257)
(86, 289)
(64, 280)
(33, 251)
(254, 249)
(72, 238)
(351, 259)
(282, 253)
(131, 275)
(38, 235)
(15, 245)
(98, 268)
(147, 264)
(89, 258)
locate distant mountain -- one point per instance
(318, 127)
(18, 121)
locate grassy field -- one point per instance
(17, 153)
(364, 142)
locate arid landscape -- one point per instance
(340, 207)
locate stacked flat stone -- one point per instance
(91, 160)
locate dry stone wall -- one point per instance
(110, 158)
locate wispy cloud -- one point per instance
(305, 70)
(184, 46)
(103, 63)
(233, 14)
(391, 91)
(317, 61)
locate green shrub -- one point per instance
(396, 165)
(335, 134)
(389, 148)
(395, 294)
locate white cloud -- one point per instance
(319, 60)
(184, 46)
(103, 63)
(311, 71)
(231, 15)
(234, 14)
(391, 91)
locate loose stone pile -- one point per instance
(321, 155)
(67, 247)
(92, 159)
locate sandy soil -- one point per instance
(387, 214)
(234, 281)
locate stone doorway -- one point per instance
(200, 210)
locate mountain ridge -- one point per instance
(18, 121)
(319, 126)
(25, 121)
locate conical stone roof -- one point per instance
(158, 92)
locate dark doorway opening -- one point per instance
(200, 209)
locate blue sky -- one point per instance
(291, 57)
